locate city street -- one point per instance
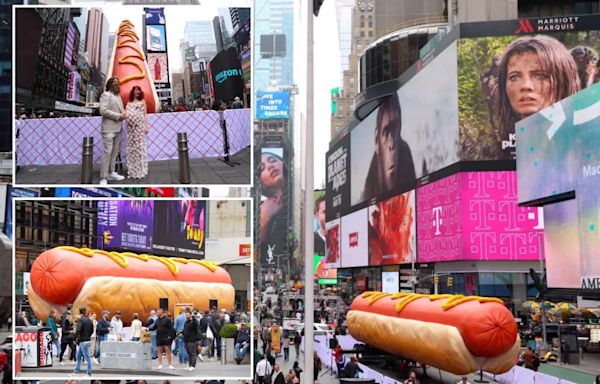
(210, 170)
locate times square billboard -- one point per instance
(419, 132)
(166, 228)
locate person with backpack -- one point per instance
(263, 371)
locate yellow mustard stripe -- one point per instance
(450, 301)
(121, 258)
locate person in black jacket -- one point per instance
(83, 336)
(278, 376)
(216, 324)
(102, 331)
(67, 337)
(202, 330)
(351, 369)
(242, 343)
(190, 338)
(164, 336)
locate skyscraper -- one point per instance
(96, 45)
(201, 35)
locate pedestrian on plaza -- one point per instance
(237, 103)
(263, 371)
(113, 113)
(278, 376)
(288, 377)
(286, 347)
(412, 379)
(164, 336)
(22, 319)
(256, 335)
(531, 359)
(102, 331)
(137, 130)
(7, 372)
(297, 341)
(564, 351)
(597, 381)
(83, 335)
(216, 325)
(203, 330)
(316, 366)
(190, 337)
(116, 325)
(51, 323)
(351, 370)
(68, 337)
(9, 323)
(297, 370)
(149, 325)
(242, 343)
(179, 342)
(136, 328)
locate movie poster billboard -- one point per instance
(392, 230)
(159, 70)
(412, 133)
(126, 225)
(338, 178)
(179, 228)
(558, 158)
(273, 210)
(320, 234)
(512, 69)
(332, 249)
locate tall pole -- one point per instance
(309, 286)
(543, 297)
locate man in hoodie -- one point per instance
(102, 331)
(190, 337)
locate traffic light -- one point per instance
(436, 279)
(449, 281)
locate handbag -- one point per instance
(209, 333)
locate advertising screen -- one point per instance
(355, 239)
(338, 178)
(126, 225)
(558, 55)
(155, 38)
(73, 86)
(227, 75)
(319, 223)
(390, 281)
(411, 134)
(10, 194)
(273, 228)
(86, 192)
(272, 105)
(159, 70)
(70, 46)
(179, 228)
(323, 273)
(332, 250)
(475, 216)
(557, 156)
(154, 15)
(392, 230)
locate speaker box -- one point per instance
(214, 304)
(333, 343)
(163, 303)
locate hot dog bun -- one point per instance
(455, 333)
(57, 275)
(128, 62)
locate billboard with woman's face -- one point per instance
(273, 231)
(509, 72)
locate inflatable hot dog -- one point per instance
(126, 281)
(456, 333)
(128, 63)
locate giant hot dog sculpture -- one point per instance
(455, 333)
(126, 281)
(128, 63)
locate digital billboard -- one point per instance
(126, 224)
(512, 69)
(338, 177)
(475, 216)
(558, 159)
(392, 230)
(73, 86)
(179, 228)
(226, 75)
(354, 239)
(332, 250)
(155, 38)
(273, 226)
(159, 70)
(323, 273)
(412, 133)
(319, 223)
(272, 105)
(154, 15)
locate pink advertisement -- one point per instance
(475, 216)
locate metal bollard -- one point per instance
(223, 351)
(87, 163)
(184, 159)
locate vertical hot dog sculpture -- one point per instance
(455, 333)
(128, 63)
(126, 281)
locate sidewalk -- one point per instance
(205, 369)
(210, 170)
